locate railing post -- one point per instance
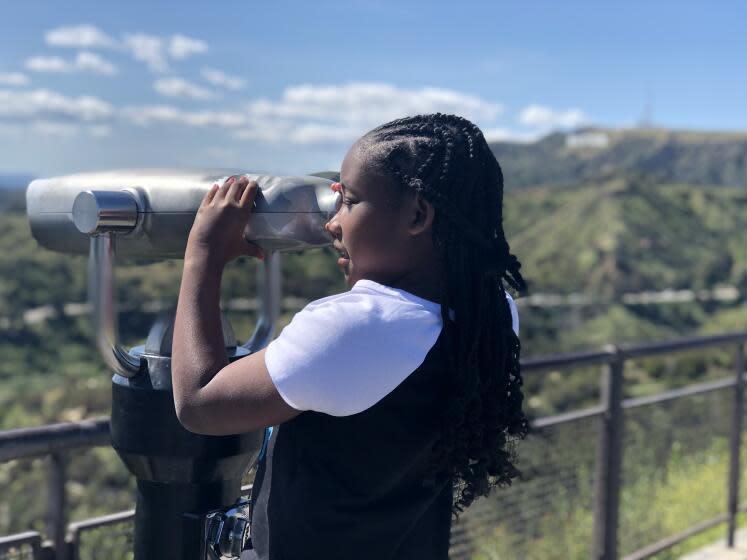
(56, 504)
(608, 461)
(735, 444)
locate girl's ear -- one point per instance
(421, 215)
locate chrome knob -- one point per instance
(96, 212)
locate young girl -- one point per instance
(396, 403)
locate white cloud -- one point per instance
(508, 135)
(99, 130)
(340, 113)
(182, 46)
(148, 49)
(369, 104)
(149, 114)
(220, 79)
(154, 51)
(178, 87)
(316, 114)
(48, 64)
(53, 128)
(85, 61)
(310, 133)
(45, 105)
(14, 79)
(546, 117)
(160, 114)
(80, 36)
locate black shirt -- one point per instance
(353, 487)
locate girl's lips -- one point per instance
(343, 261)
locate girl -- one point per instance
(396, 403)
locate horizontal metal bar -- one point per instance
(560, 361)
(28, 538)
(682, 344)
(567, 360)
(32, 538)
(572, 416)
(44, 440)
(101, 521)
(690, 390)
(579, 359)
(669, 542)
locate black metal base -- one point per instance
(161, 530)
(178, 472)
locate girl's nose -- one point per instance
(333, 227)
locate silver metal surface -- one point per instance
(156, 352)
(102, 292)
(102, 211)
(289, 214)
(270, 297)
(148, 213)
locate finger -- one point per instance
(225, 186)
(241, 183)
(234, 190)
(210, 195)
(249, 194)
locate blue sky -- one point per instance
(287, 86)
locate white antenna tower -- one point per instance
(647, 118)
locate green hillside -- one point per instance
(629, 236)
(598, 242)
(597, 154)
(648, 212)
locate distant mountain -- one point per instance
(16, 181)
(598, 154)
(13, 191)
(12, 200)
(628, 235)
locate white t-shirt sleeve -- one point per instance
(342, 354)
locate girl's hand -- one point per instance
(217, 233)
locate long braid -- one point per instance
(448, 161)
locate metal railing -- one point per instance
(610, 413)
(54, 441)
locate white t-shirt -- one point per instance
(344, 353)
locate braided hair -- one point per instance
(448, 161)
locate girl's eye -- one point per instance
(343, 201)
